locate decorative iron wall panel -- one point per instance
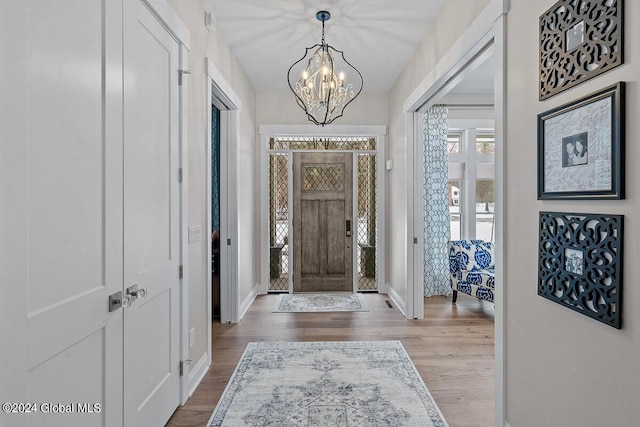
(579, 39)
(580, 263)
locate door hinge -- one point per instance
(228, 242)
(415, 240)
(179, 174)
(182, 363)
(180, 74)
(181, 272)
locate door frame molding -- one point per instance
(268, 131)
(221, 94)
(487, 31)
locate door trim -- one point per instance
(268, 131)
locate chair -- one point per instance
(472, 267)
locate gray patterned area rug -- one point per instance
(306, 303)
(353, 383)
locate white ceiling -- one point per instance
(377, 36)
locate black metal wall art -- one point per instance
(579, 39)
(580, 263)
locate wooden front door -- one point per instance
(322, 222)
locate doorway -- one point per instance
(366, 227)
(215, 212)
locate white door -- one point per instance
(61, 213)
(151, 218)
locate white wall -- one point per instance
(563, 368)
(281, 108)
(452, 21)
(211, 45)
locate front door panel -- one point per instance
(322, 209)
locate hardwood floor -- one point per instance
(452, 348)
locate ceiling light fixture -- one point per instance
(319, 81)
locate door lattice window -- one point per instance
(323, 177)
(367, 222)
(278, 222)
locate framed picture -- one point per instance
(580, 263)
(581, 148)
(578, 41)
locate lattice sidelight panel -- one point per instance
(367, 223)
(278, 222)
(322, 143)
(323, 177)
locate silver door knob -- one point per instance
(136, 293)
(116, 301)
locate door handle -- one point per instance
(136, 293)
(116, 301)
(348, 228)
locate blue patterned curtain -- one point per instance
(437, 229)
(215, 168)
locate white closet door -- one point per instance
(61, 213)
(151, 218)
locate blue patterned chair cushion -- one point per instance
(472, 268)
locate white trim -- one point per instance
(355, 223)
(487, 30)
(291, 250)
(185, 385)
(397, 300)
(220, 90)
(171, 21)
(246, 304)
(500, 102)
(197, 373)
(381, 273)
(264, 207)
(470, 43)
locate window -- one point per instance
(485, 210)
(454, 140)
(454, 208)
(471, 181)
(485, 143)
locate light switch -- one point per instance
(195, 233)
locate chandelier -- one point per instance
(319, 80)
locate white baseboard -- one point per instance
(244, 307)
(506, 424)
(198, 372)
(397, 300)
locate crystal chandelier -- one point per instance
(319, 83)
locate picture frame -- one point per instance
(579, 40)
(581, 147)
(580, 263)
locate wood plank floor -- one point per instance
(452, 348)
